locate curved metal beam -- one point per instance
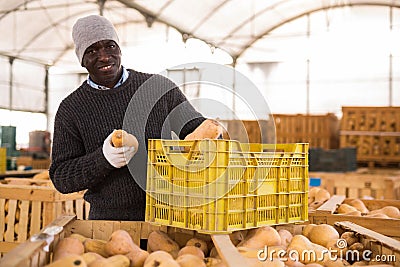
(44, 30)
(147, 13)
(258, 37)
(209, 15)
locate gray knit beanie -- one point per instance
(89, 30)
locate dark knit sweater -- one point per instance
(87, 116)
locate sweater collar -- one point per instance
(124, 77)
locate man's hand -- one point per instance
(117, 156)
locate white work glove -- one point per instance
(117, 156)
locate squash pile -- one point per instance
(286, 249)
(316, 197)
(121, 251)
(162, 250)
(356, 207)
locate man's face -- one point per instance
(103, 62)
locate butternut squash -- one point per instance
(208, 129)
(254, 252)
(96, 245)
(345, 208)
(214, 253)
(68, 246)
(193, 250)
(159, 240)
(312, 192)
(137, 257)
(350, 238)
(120, 242)
(68, 261)
(213, 262)
(293, 263)
(390, 211)
(357, 246)
(42, 176)
(261, 237)
(377, 215)
(90, 257)
(301, 243)
(254, 262)
(286, 237)
(156, 258)
(79, 237)
(190, 260)
(114, 261)
(237, 237)
(122, 138)
(307, 229)
(197, 242)
(321, 234)
(353, 213)
(315, 204)
(322, 195)
(335, 249)
(359, 205)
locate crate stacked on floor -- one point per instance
(374, 131)
(318, 130)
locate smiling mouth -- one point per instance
(108, 67)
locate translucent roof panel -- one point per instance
(40, 30)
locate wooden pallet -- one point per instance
(26, 209)
(326, 214)
(360, 185)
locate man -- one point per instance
(112, 97)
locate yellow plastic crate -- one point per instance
(3, 159)
(220, 186)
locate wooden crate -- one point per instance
(32, 254)
(34, 163)
(326, 214)
(318, 130)
(26, 209)
(249, 131)
(373, 119)
(361, 185)
(373, 148)
(374, 131)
